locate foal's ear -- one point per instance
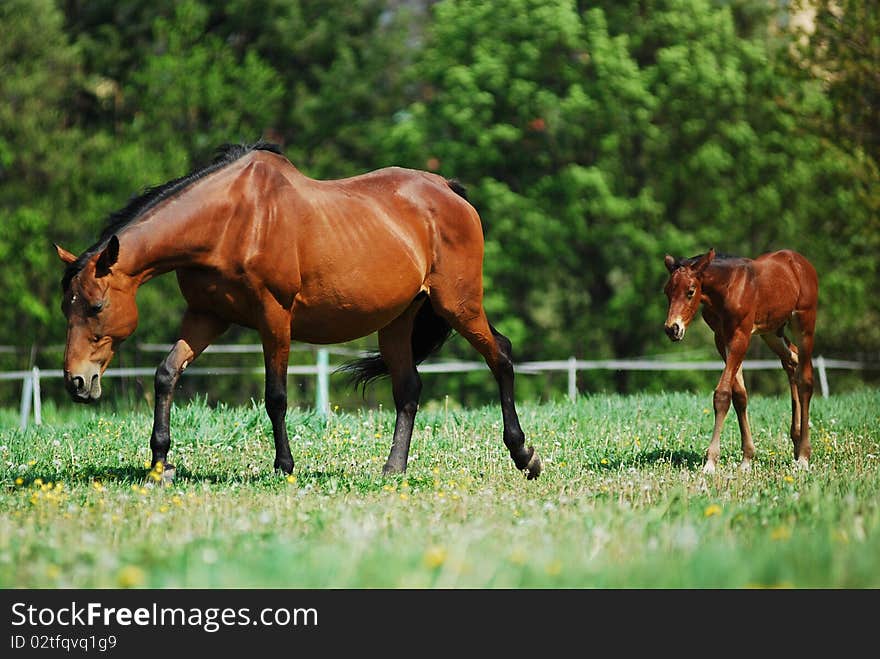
(704, 262)
(63, 254)
(108, 257)
(670, 263)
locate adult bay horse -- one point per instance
(255, 242)
(741, 297)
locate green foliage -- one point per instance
(593, 138)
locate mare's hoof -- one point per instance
(392, 469)
(285, 467)
(533, 467)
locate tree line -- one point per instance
(593, 138)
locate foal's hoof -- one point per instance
(709, 468)
(803, 463)
(533, 468)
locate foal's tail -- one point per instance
(430, 332)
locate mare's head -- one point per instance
(101, 313)
(684, 290)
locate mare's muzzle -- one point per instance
(85, 387)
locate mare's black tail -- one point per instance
(430, 331)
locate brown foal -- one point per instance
(741, 297)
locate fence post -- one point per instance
(322, 396)
(27, 388)
(572, 379)
(38, 403)
(823, 376)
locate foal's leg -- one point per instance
(496, 350)
(723, 394)
(789, 360)
(276, 351)
(804, 324)
(197, 331)
(740, 404)
(395, 345)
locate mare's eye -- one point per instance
(691, 292)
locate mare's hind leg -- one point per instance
(197, 331)
(803, 324)
(789, 358)
(496, 350)
(395, 346)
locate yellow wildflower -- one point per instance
(130, 576)
(434, 557)
(780, 533)
(712, 510)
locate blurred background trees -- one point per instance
(593, 137)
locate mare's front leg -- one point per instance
(197, 331)
(276, 351)
(721, 400)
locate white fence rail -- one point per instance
(30, 392)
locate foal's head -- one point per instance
(101, 313)
(684, 290)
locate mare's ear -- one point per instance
(704, 262)
(670, 263)
(107, 258)
(63, 254)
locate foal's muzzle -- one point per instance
(675, 331)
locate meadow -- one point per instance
(622, 502)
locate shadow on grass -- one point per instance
(674, 457)
(335, 479)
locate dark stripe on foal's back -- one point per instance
(150, 197)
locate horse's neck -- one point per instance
(715, 282)
(171, 237)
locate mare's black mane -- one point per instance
(150, 197)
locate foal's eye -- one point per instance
(691, 292)
(96, 307)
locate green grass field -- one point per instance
(622, 502)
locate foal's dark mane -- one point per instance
(150, 197)
(692, 261)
